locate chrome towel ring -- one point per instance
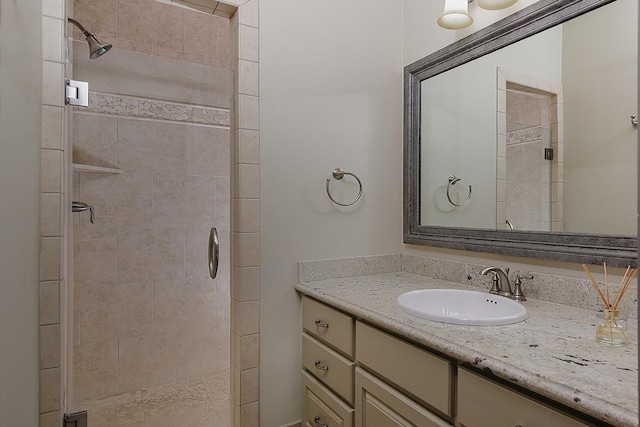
(338, 174)
(452, 181)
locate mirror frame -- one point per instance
(615, 250)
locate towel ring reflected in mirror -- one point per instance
(452, 181)
(338, 174)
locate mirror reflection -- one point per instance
(537, 135)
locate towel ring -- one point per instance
(339, 174)
(452, 181)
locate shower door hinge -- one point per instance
(548, 153)
(78, 419)
(77, 93)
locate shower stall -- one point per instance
(149, 329)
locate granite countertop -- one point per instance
(553, 353)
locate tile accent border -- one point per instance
(129, 106)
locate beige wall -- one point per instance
(600, 142)
(20, 85)
(331, 96)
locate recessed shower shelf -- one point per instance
(77, 167)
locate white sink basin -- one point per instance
(462, 307)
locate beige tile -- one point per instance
(52, 39)
(207, 151)
(53, 8)
(197, 240)
(51, 419)
(49, 346)
(151, 360)
(169, 407)
(249, 13)
(95, 140)
(248, 286)
(168, 252)
(49, 303)
(152, 23)
(50, 214)
(122, 409)
(247, 146)
(118, 200)
(95, 369)
(223, 200)
(235, 352)
(131, 46)
(206, 34)
(250, 351)
(52, 84)
(207, 354)
(94, 256)
(250, 317)
(248, 43)
(250, 415)
(179, 200)
(151, 146)
(50, 258)
(249, 385)
(249, 215)
(98, 17)
(135, 254)
(49, 390)
(248, 181)
(236, 315)
(248, 78)
(50, 171)
(144, 75)
(52, 118)
(248, 112)
(184, 306)
(249, 249)
(111, 311)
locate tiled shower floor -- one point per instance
(200, 402)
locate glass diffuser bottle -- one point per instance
(611, 328)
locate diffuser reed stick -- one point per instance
(595, 284)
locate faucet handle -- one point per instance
(518, 295)
(495, 284)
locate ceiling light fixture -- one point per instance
(456, 12)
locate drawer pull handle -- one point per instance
(318, 423)
(320, 324)
(319, 366)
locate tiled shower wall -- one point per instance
(244, 192)
(528, 173)
(145, 310)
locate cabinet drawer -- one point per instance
(329, 325)
(482, 402)
(328, 366)
(377, 405)
(320, 407)
(424, 375)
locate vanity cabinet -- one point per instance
(354, 374)
(328, 366)
(485, 403)
(379, 405)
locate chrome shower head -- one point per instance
(97, 47)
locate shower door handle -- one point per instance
(214, 252)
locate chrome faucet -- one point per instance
(499, 278)
(81, 207)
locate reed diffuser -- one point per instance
(611, 328)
